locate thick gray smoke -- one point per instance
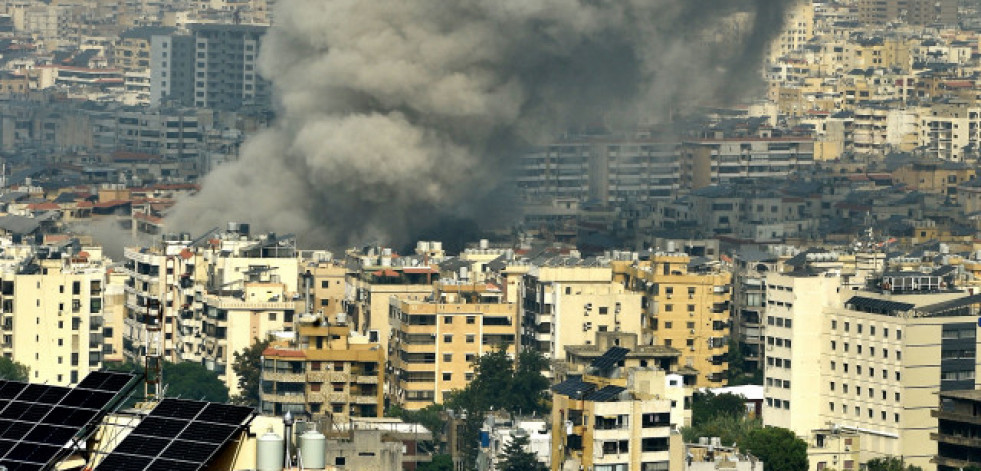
(393, 112)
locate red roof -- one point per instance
(43, 206)
(419, 270)
(386, 273)
(112, 203)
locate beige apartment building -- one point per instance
(568, 301)
(687, 310)
(625, 423)
(875, 357)
(435, 342)
(327, 369)
(52, 310)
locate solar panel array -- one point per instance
(610, 359)
(605, 394)
(39, 422)
(178, 435)
(573, 387)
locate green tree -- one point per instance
(247, 364)
(439, 463)
(430, 417)
(730, 429)
(737, 372)
(890, 463)
(13, 371)
(706, 406)
(516, 457)
(185, 380)
(779, 448)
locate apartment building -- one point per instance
(216, 63)
(883, 353)
(958, 430)
(131, 52)
(750, 268)
(326, 369)
(719, 160)
(919, 12)
(375, 276)
(628, 423)
(435, 342)
(610, 169)
(935, 176)
(567, 301)
(199, 285)
(52, 311)
(686, 307)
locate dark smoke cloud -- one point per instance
(393, 113)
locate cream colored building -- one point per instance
(686, 310)
(874, 358)
(52, 314)
(435, 343)
(325, 370)
(619, 424)
(567, 302)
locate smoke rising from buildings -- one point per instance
(392, 113)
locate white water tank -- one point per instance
(313, 450)
(270, 452)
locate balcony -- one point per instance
(317, 376)
(956, 440)
(283, 377)
(365, 399)
(366, 379)
(284, 398)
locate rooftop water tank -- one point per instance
(270, 452)
(313, 450)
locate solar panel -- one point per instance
(178, 435)
(38, 423)
(604, 394)
(573, 387)
(611, 358)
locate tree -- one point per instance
(737, 373)
(13, 371)
(779, 448)
(516, 456)
(430, 417)
(890, 463)
(706, 406)
(247, 364)
(439, 463)
(730, 429)
(185, 380)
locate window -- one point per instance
(834, 326)
(834, 345)
(447, 376)
(897, 376)
(471, 319)
(447, 357)
(603, 310)
(667, 325)
(858, 327)
(832, 385)
(448, 338)
(899, 334)
(833, 364)
(847, 326)
(899, 355)
(871, 330)
(447, 319)
(470, 338)
(272, 316)
(897, 397)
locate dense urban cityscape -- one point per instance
(558, 235)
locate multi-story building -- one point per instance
(720, 160)
(686, 308)
(958, 430)
(750, 268)
(568, 300)
(910, 11)
(434, 343)
(52, 308)
(131, 53)
(377, 276)
(883, 353)
(628, 423)
(327, 369)
(221, 59)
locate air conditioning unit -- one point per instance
(693, 331)
(692, 348)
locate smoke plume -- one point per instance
(393, 113)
